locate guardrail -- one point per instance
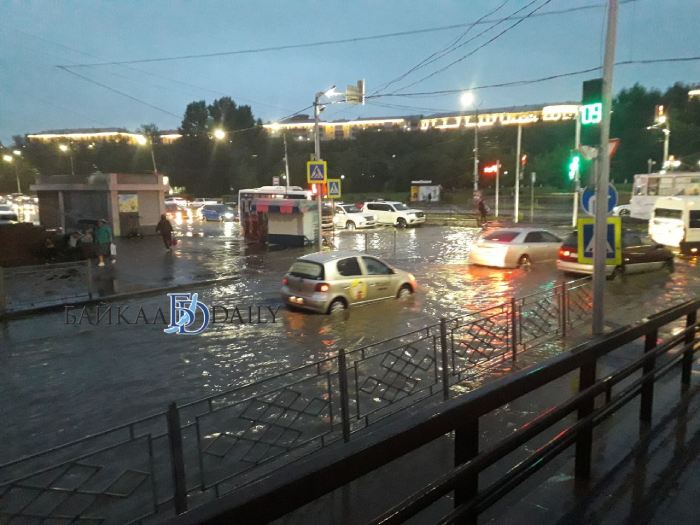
(308, 480)
(195, 452)
(23, 287)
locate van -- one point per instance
(675, 221)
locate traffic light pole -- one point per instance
(317, 154)
(601, 189)
(577, 176)
(498, 183)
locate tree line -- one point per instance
(371, 161)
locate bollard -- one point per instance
(366, 242)
(89, 278)
(344, 395)
(3, 299)
(177, 459)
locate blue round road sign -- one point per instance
(588, 199)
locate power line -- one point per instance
(483, 45)
(337, 41)
(540, 79)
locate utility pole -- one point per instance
(317, 155)
(498, 183)
(577, 175)
(286, 159)
(516, 212)
(533, 178)
(601, 210)
(153, 159)
(476, 152)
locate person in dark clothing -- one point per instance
(166, 231)
(483, 211)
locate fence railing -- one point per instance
(195, 452)
(24, 287)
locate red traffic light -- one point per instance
(523, 160)
(491, 168)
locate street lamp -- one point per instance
(66, 149)
(11, 160)
(141, 140)
(468, 100)
(219, 134)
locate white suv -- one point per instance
(350, 217)
(394, 212)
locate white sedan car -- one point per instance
(515, 248)
(350, 217)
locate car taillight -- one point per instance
(322, 287)
(564, 253)
(567, 253)
(285, 281)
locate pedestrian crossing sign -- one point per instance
(316, 171)
(586, 241)
(334, 188)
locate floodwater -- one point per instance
(59, 381)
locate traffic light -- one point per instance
(523, 161)
(591, 113)
(574, 166)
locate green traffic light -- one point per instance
(574, 166)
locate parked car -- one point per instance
(7, 213)
(216, 212)
(515, 248)
(329, 282)
(201, 201)
(394, 212)
(350, 217)
(177, 201)
(675, 222)
(639, 254)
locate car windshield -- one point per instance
(665, 213)
(307, 270)
(351, 209)
(501, 236)
(400, 207)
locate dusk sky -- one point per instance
(36, 36)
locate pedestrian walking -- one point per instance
(166, 231)
(483, 212)
(103, 240)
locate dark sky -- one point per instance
(35, 36)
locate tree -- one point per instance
(151, 132)
(196, 120)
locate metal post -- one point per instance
(601, 190)
(72, 166)
(444, 356)
(646, 402)
(177, 459)
(467, 448)
(532, 196)
(317, 154)
(476, 152)
(564, 308)
(366, 242)
(286, 159)
(688, 353)
(89, 277)
(3, 298)
(19, 187)
(395, 243)
(344, 395)
(577, 176)
(153, 159)
(514, 327)
(584, 441)
(516, 212)
(498, 183)
(667, 138)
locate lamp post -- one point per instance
(467, 100)
(143, 141)
(66, 149)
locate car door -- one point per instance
(339, 217)
(534, 246)
(351, 282)
(550, 246)
(379, 278)
(636, 256)
(379, 211)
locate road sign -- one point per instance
(333, 186)
(316, 171)
(588, 199)
(586, 229)
(275, 181)
(613, 144)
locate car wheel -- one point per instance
(350, 225)
(525, 262)
(401, 223)
(404, 291)
(338, 305)
(617, 272)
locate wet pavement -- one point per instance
(62, 381)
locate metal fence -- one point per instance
(156, 467)
(25, 287)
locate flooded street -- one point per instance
(59, 382)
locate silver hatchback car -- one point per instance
(328, 282)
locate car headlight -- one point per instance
(228, 215)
